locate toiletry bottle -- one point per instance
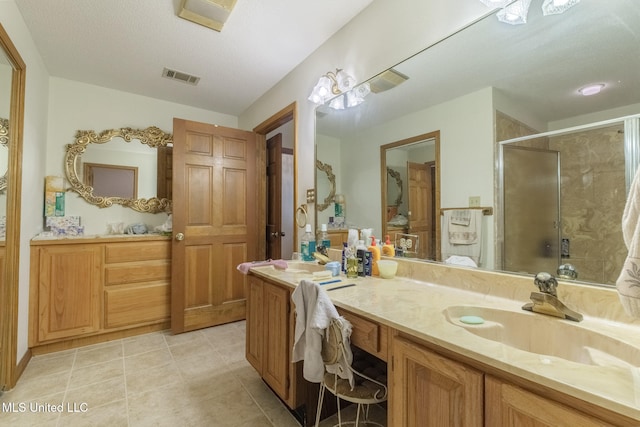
(361, 250)
(375, 256)
(345, 255)
(308, 244)
(388, 249)
(323, 237)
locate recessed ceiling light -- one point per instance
(591, 89)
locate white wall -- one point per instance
(77, 106)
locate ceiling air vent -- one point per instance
(180, 76)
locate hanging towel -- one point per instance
(314, 312)
(460, 240)
(463, 226)
(460, 217)
(628, 283)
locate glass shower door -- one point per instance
(531, 209)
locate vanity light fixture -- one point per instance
(515, 13)
(339, 83)
(591, 89)
(553, 7)
(209, 13)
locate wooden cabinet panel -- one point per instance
(509, 405)
(431, 390)
(367, 335)
(275, 368)
(255, 316)
(133, 306)
(137, 272)
(137, 251)
(68, 280)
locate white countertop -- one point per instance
(417, 308)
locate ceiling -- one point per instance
(539, 66)
(125, 44)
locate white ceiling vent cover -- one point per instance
(180, 76)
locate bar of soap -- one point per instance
(324, 274)
(472, 320)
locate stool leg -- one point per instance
(358, 414)
(339, 414)
(320, 400)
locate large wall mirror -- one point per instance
(488, 83)
(129, 167)
(12, 86)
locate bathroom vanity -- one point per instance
(90, 289)
(441, 372)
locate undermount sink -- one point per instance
(545, 335)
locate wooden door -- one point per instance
(429, 390)
(214, 223)
(420, 205)
(274, 197)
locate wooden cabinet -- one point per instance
(431, 390)
(68, 280)
(269, 340)
(509, 405)
(367, 335)
(337, 237)
(85, 288)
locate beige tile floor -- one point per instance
(199, 378)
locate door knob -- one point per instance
(179, 237)
(277, 234)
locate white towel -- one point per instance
(314, 311)
(454, 242)
(628, 283)
(460, 217)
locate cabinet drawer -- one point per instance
(141, 251)
(129, 306)
(368, 335)
(137, 272)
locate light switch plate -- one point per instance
(474, 201)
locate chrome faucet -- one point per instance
(546, 301)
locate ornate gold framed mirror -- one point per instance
(330, 186)
(151, 137)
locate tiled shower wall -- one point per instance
(592, 194)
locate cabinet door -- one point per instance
(255, 332)
(431, 390)
(69, 283)
(508, 405)
(275, 368)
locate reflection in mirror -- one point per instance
(462, 84)
(412, 169)
(4, 153)
(113, 150)
(563, 195)
(325, 184)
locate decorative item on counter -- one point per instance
(137, 228)
(375, 256)
(388, 249)
(53, 196)
(166, 227)
(387, 268)
(60, 226)
(340, 210)
(334, 267)
(115, 228)
(307, 244)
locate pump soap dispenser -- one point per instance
(388, 249)
(375, 256)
